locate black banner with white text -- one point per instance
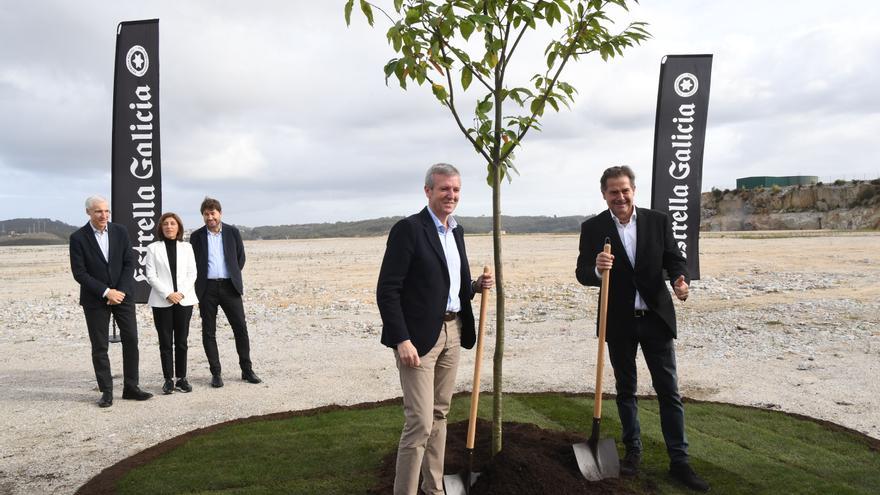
(136, 189)
(679, 138)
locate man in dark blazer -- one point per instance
(640, 312)
(102, 262)
(220, 258)
(424, 295)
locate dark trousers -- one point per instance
(659, 351)
(172, 325)
(222, 294)
(98, 322)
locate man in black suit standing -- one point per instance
(640, 313)
(424, 295)
(102, 262)
(220, 258)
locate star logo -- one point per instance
(686, 84)
(136, 61)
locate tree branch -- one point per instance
(451, 106)
(568, 53)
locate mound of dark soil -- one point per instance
(533, 461)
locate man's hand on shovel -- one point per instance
(484, 281)
(681, 288)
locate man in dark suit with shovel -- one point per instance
(424, 295)
(640, 313)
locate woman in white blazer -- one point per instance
(171, 272)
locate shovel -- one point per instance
(597, 459)
(460, 484)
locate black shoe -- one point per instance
(216, 381)
(684, 473)
(106, 399)
(135, 394)
(629, 465)
(250, 377)
(183, 385)
(168, 387)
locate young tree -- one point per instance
(455, 45)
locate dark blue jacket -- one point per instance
(414, 282)
(95, 274)
(233, 253)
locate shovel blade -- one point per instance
(599, 464)
(453, 484)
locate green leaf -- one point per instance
(507, 147)
(398, 4)
(368, 11)
(412, 16)
(390, 68)
(484, 106)
(467, 28)
(551, 58)
(492, 59)
(537, 106)
(348, 5)
(440, 92)
(466, 77)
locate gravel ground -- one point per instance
(782, 323)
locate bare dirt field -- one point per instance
(786, 323)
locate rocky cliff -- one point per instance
(842, 205)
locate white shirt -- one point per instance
(627, 233)
(453, 260)
(103, 238)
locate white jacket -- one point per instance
(159, 274)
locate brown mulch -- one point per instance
(533, 461)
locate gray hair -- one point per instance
(615, 172)
(439, 169)
(94, 199)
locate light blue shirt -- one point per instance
(453, 260)
(216, 258)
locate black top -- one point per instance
(171, 249)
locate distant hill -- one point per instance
(381, 226)
(34, 231)
(39, 231)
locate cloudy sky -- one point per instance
(281, 111)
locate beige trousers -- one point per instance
(427, 393)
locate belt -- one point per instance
(449, 316)
(217, 280)
(641, 313)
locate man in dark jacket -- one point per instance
(102, 262)
(424, 296)
(220, 258)
(640, 312)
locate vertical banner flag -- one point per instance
(679, 136)
(136, 181)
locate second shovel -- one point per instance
(460, 484)
(597, 459)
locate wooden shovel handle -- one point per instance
(603, 314)
(478, 360)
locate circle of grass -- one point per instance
(338, 450)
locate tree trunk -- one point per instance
(498, 374)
